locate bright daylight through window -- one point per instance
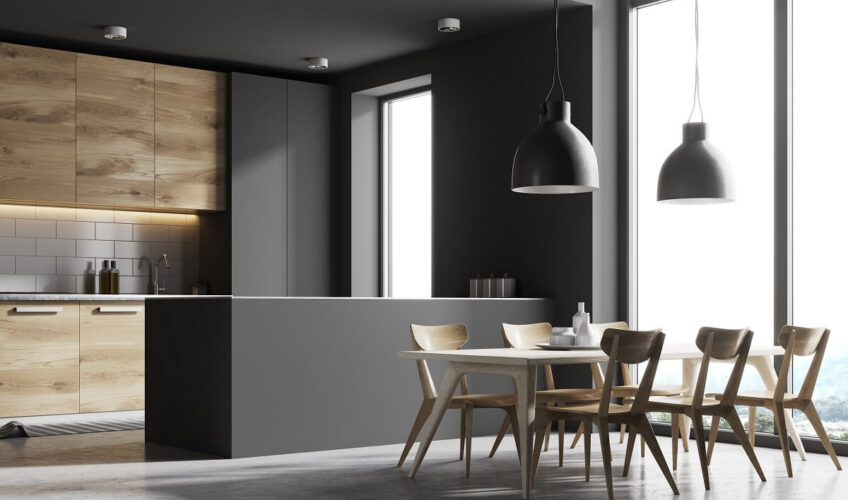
(407, 196)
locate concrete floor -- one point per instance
(118, 465)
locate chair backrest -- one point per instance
(722, 344)
(628, 347)
(801, 341)
(597, 376)
(526, 337)
(436, 338)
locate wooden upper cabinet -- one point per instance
(37, 124)
(190, 135)
(114, 157)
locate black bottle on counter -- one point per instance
(105, 280)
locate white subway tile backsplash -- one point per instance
(75, 230)
(7, 264)
(144, 232)
(124, 266)
(132, 249)
(95, 248)
(141, 267)
(55, 284)
(17, 283)
(168, 219)
(55, 248)
(35, 265)
(93, 215)
(55, 213)
(174, 250)
(7, 227)
(132, 217)
(17, 246)
(35, 228)
(134, 284)
(76, 265)
(18, 212)
(110, 231)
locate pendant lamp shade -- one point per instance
(555, 157)
(696, 172)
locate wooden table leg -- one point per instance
(765, 367)
(448, 387)
(526, 382)
(690, 375)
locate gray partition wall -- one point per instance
(240, 377)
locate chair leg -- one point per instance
(813, 417)
(713, 436)
(642, 444)
(732, 418)
(469, 420)
(631, 440)
(577, 435)
(700, 442)
(587, 445)
(752, 424)
(622, 433)
(501, 434)
(683, 436)
(648, 435)
(462, 433)
(512, 415)
(548, 436)
(543, 419)
(606, 453)
(561, 430)
(675, 435)
(423, 413)
(780, 424)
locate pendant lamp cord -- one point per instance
(556, 76)
(696, 95)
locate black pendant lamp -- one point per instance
(555, 157)
(696, 172)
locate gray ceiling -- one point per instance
(266, 35)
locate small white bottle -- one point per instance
(582, 327)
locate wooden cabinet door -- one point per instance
(191, 121)
(37, 124)
(39, 358)
(114, 158)
(111, 356)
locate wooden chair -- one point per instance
(629, 389)
(526, 337)
(445, 337)
(797, 341)
(720, 344)
(622, 346)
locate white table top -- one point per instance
(507, 356)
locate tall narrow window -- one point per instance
(407, 195)
(706, 265)
(819, 175)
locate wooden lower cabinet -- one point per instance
(111, 362)
(39, 358)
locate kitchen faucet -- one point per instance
(162, 258)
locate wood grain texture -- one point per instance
(39, 360)
(190, 138)
(114, 161)
(37, 124)
(111, 359)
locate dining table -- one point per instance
(522, 365)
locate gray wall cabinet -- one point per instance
(281, 193)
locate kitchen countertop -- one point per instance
(83, 297)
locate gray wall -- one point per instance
(364, 196)
(486, 94)
(281, 200)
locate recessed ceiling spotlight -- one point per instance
(317, 63)
(115, 32)
(448, 25)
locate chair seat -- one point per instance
(568, 395)
(658, 390)
(486, 400)
(588, 409)
(673, 403)
(760, 398)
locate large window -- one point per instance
(407, 195)
(716, 265)
(819, 179)
(706, 265)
